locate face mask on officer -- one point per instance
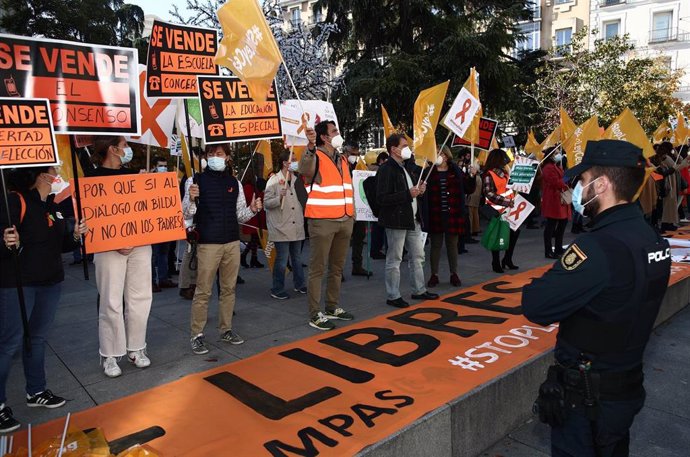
(578, 195)
(216, 163)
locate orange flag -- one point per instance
(248, 47)
(388, 128)
(532, 147)
(575, 145)
(661, 133)
(567, 125)
(472, 85)
(553, 139)
(427, 111)
(268, 247)
(682, 133)
(627, 128)
(264, 148)
(64, 149)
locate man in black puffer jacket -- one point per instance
(398, 213)
(221, 208)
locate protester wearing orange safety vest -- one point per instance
(330, 210)
(500, 198)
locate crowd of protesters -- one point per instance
(440, 204)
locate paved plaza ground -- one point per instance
(72, 361)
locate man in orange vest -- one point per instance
(329, 211)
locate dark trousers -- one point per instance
(359, 233)
(554, 228)
(576, 437)
(41, 304)
(511, 248)
(378, 238)
(159, 262)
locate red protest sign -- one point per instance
(487, 132)
(26, 133)
(230, 114)
(131, 210)
(91, 88)
(177, 54)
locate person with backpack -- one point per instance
(38, 231)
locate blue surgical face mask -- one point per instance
(577, 197)
(128, 155)
(558, 157)
(216, 163)
(294, 166)
(161, 169)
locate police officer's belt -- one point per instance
(607, 386)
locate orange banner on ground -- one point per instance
(336, 393)
(131, 210)
(91, 88)
(177, 54)
(26, 133)
(230, 114)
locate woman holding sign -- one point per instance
(554, 208)
(39, 232)
(500, 198)
(121, 275)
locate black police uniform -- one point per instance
(605, 292)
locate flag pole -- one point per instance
(434, 164)
(17, 269)
(80, 214)
(251, 158)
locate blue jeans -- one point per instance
(41, 304)
(397, 241)
(294, 248)
(159, 262)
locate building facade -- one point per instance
(658, 29)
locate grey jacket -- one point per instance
(286, 224)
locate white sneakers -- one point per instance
(138, 358)
(111, 368)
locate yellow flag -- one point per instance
(661, 133)
(553, 139)
(532, 147)
(186, 153)
(647, 173)
(248, 47)
(575, 145)
(298, 151)
(472, 85)
(268, 247)
(264, 148)
(427, 110)
(388, 128)
(567, 125)
(627, 128)
(64, 149)
(682, 133)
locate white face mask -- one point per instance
(293, 166)
(406, 153)
(439, 161)
(337, 141)
(216, 163)
(56, 184)
(128, 155)
(352, 159)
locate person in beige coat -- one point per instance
(473, 201)
(285, 221)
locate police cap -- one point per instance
(608, 153)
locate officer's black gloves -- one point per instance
(550, 403)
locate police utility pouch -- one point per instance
(550, 404)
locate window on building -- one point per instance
(532, 37)
(661, 26)
(536, 9)
(563, 38)
(318, 16)
(666, 62)
(611, 29)
(560, 2)
(295, 17)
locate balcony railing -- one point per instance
(666, 35)
(536, 12)
(603, 3)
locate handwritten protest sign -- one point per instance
(131, 210)
(363, 211)
(487, 131)
(91, 88)
(518, 213)
(177, 54)
(522, 174)
(26, 133)
(230, 114)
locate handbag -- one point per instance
(497, 235)
(567, 197)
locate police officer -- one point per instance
(605, 291)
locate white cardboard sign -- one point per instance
(461, 112)
(518, 213)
